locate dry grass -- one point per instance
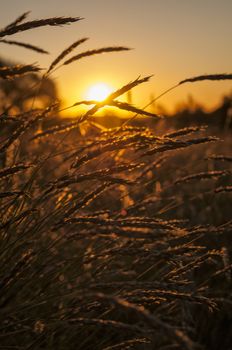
(64, 53)
(21, 27)
(105, 243)
(15, 71)
(25, 45)
(96, 52)
(212, 77)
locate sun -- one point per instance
(98, 92)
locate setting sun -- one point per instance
(98, 92)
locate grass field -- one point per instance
(112, 238)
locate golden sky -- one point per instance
(171, 39)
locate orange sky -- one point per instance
(172, 39)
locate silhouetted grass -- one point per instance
(112, 240)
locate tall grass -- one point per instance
(119, 239)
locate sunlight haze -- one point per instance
(171, 39)
(98, 92)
